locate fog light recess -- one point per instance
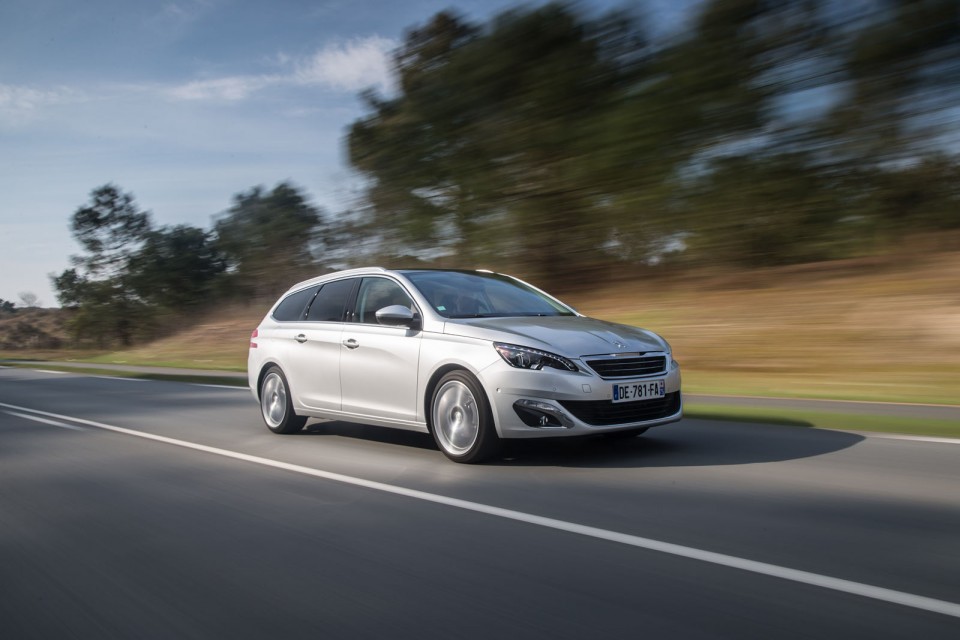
(542, 415)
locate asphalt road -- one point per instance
(143, 509)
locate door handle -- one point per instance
(351, 343)
(301, 338)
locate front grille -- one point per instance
(604, 413)
(628, 367)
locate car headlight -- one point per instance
(527, 358)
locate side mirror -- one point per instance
(397, 315)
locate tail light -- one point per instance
(253, 345)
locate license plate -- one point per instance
(648, 390)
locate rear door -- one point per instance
(276, 339)
(313, 356)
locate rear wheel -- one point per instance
(461, 420)
(275, 404)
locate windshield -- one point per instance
(455, 294)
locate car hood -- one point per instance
(571, 336)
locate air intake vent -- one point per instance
(603, 413)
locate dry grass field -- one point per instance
(874, 329)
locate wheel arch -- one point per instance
(263, 373)
(431, 386)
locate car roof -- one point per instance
(334, 275)
(363, 271)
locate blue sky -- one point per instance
(185, 103)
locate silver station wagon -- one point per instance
(471, 357)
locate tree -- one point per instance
(552, 139)
(29, 299)
(482, 151)
(106, 311)
(176, 268)
(562, 145)
(682, 104)
(110, 228)
(267, 239)
(902, 65)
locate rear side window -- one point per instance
(294, 306)
(329, 304)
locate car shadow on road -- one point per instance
(689, 443)
(399, 437)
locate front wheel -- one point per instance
(460, 419)
(275, 404)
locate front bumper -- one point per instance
(553, 403)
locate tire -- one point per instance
(275, 404)
(460, 419)
(625, 435)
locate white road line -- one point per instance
(59, 373)
(88, 375)
(221, 386)
(804, 577)
(45, 421)
(891, 436)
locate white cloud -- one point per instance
(348, 67)
(230, 89)
(357, 64)
(178, 14)
(175, 11)
(279, 59)
(19, 103)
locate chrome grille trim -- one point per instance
(615, 368)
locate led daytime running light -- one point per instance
(527, 358)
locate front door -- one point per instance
(378, 364)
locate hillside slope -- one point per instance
(878, 329)
(34, 329)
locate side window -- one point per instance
(329, 303)
(294, 305)
(377, 293)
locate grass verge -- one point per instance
(112, 373)
(222, 364)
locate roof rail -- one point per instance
(346, 272)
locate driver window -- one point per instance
(377, 293)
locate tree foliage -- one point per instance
(109, 228)
(176, 268)
(135, 278)
(564, 143)
(132, 274)
(267, 239)
(486, 134)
